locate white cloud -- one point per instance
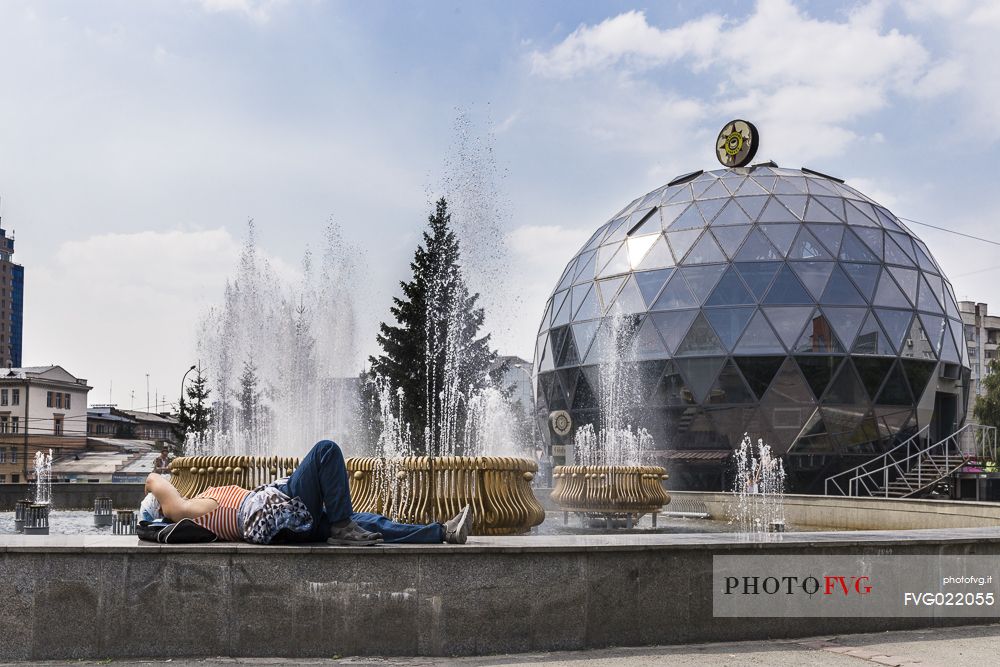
(257, 10)
(118, 306)
(537, 244)
(804, 81)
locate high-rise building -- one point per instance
(982, 338)
(11, 303)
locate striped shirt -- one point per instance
(223, 520)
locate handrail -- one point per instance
(947, 440)
(833, 478)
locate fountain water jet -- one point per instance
(759, 487)
(43, 477)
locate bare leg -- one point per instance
(175, 506)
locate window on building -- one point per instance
(57, 425)
(4, 423)
(3, 455)
(15, 479)
(3, 479)
(59, 399)
(13, 454)
(15, 423)
(3, 397)
(15, 397)
(48, 399)
(66, 401)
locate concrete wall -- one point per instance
(75, 496)
(839, 513)
(108, 598)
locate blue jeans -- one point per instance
(320, 482)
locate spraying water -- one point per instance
(43, 477)
(759, 489)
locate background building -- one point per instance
(11, 303)
(41, 408)
(774, 302)
(982, 335)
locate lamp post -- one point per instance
(180, 410)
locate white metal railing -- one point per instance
(970, 441)
(852, 476)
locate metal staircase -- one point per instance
(914, 468)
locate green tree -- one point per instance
(434, 352)
(196, 414)
(987, 407)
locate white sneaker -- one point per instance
(456, 529)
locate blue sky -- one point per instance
(137, 138)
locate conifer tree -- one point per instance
(432, 352)
(196, 412)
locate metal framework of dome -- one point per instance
(772, 301)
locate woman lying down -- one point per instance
(313, 505)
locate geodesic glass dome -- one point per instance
(771, 301)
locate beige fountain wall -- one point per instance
(839, 513)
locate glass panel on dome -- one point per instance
(872, 370)
(675, 295)
(709, 209)
(670, 213)
(788, 387)
(887, 219)
(871, 339)
(557, 341)
(583, 334)
(925, 261)
(917, 344)
(764, 178)
(609, 289)
(595, 240)
(548, 363)
(617, 233)
(638, 246)
(927, 300)
(730, 238)
(829, 235)
(788, 321)
(729, 387)
(558, 300)
(781, 235)
(648, 225)
(636, 218)
(584, 397)
(567, 275)
(702, 279)
(865, 277)
(728, 323)
(589, 307)
(816, 212)
(647, 342)
(958, 332)
(889, 294)
(934, 327)
(731, 214)
(673, 325)
(759, 338)
(860, 214)
(585, 260)
(896, 324)
(895, 255)
(789, 186)
(658, 257)
(606, 254)
(818, 186)
(907, 279)
(795, 203)
(873, 238)
(818, 370)
(733, 183)
(705, 251)
(547, 317)
(709, 190)
(895, 391)
(853, 250)
(681, 242)
(629, 300)
(540, 348)
(835, 205)
(564, 313)
(807, 247)
(840, 291)
(757, 275)
(787, 289)
(846, 387)
(759, 371)
(757, 248)
(650, 283)
(905, 244)
(750, 187)
(775, 212)
(689, 219)
(730, 291)
(568, 356)
(700, 340)
(936, 287)
(845, 322)
(699, 374)
(817, 337)
(814, 275)
(681, 194)
(949, 353)
(752, 205)
(918, 373)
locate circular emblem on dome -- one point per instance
(561, 422)
(737, 143)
